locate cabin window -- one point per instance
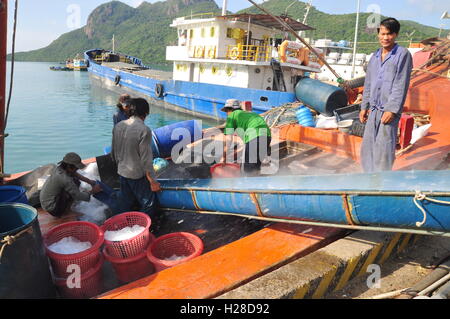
(212, 32)
(202, 32)
(229, 33)
(191, 33)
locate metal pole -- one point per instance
(356, 39)
(3, 51)
(224, 8)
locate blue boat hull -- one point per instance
(378, 200)
(197, 98)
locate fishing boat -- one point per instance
(217, 57)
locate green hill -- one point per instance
(144, 32)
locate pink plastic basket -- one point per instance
(180, 244)
(129, 247)
(91, 284)
(133, 268)
(87, 259)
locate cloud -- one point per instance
(135, 3)
(430, 6)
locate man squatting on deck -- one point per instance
(62, 187)
(253, 131)
(131, 151)
(385, 89)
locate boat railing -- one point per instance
(256, 53)
(202, 15)
(102, 58)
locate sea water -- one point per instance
(56, 112)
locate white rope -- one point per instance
(421, 197)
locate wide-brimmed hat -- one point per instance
(73, 159)
(231, 104)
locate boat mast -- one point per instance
(224, 8)
(356, 39)
(3, 50)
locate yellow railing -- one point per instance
(256, 53)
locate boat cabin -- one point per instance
(234, 50)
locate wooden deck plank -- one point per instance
(230, 266)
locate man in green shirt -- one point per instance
(253, 131)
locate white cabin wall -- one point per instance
(238, 76)
(261, 80)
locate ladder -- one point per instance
(278, 78)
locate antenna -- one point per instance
(308, 7)
(356, 39)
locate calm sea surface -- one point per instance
(54, 112)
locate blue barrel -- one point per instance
(13, 194)
(322, 97)
(186, 132)
(305, 117)
(24, 267)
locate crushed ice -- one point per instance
(69, 245)
(124, 233)
(93, 211)
(175, 258)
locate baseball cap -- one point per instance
(231, 104)
(73, 159)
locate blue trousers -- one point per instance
(131, 191)
(379, 141)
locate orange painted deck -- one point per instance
(230, 266)
(428, 94)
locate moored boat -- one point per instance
(217, 57)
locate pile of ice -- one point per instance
(91, 172)
(175, 258)
(69, 245)
(124, 233)
(93, 211)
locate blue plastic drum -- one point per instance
(13, 194)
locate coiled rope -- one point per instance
(421, 197)
(9, 240)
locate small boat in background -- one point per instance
(60, 68)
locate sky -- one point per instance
(42, 21)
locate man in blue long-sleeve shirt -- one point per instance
(385, 89)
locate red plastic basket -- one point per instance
(129, 247)
(131, 269)
(91, 284)
(225, 170)
(87, 259)
(180, 244)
